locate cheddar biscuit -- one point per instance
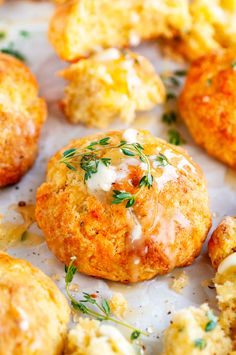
(208, 105)
(81, 27)
(127, 205)
(34, 313)
(109, 85)
(22, 116)
(223, 241)
(196, 331)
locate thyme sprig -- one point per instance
(88, 159)
(102, 312)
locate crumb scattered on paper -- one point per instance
(118, 304)
(179, 282)
(74, 287)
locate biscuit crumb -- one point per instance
(179, 282)
(74, 287)
(118, 305)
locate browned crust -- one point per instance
(33, 310)
(223, 241)
(209, 108)
(75, 222)
(21, 119)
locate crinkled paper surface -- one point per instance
(151, 303)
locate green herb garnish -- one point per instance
(170, 96)
(169, 117)
(171, 80)
(233, 65)
(103, 141)
(69, 152)
(100, 310)
(70, 271)
(209, 82)
(2, 35)
(14, 52)
(120, 196)
(162, 160)
(135, 335)
(89, 158)
(24, 236)
(180, 72)
(24, 33)
(200, 343)
(175, 137)
(212, 321)
(174, 81)
(89, 163)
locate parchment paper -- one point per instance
(151, 303)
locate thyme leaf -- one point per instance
(24, 236)
(2, 35)
(120, 196)
(135, 335)
(200, 343)
(209, 82)
(212, 321)
(175, 137)
(24, 33)
(169, 117)
(162, 160)
(100, 310)
(180, 72)
(233, 65)
(170, 96)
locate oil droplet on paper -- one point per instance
(17, 234)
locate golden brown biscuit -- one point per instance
(22, 114)
(212, 28)
(208, 105)
(225, 283)
(110, 84)
(196, 331)
(80, 27)
(34, 313)
(60, 2)
(152, 231)
(223, 241)
(91, 337)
